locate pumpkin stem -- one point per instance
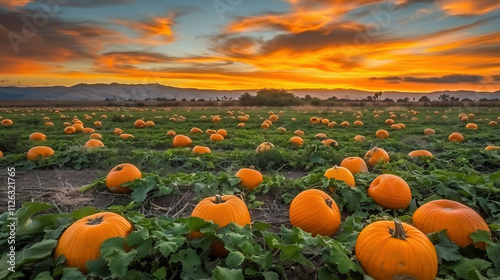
(329, 202)
(398, 231)
(251, 167)
(218, 199)
(95, 221)
(119, 168)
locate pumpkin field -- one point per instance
(250, 193)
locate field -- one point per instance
(52, 193)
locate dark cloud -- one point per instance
(448, 79)
(96, 3)
(388, 78)
(496, 78)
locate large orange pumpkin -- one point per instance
(82, 241)
(69, 130)
(37, 151)
(139, 124)
(390, 191)
(181, 141)
(375, 155)
(222, 132)
(471, 126)
(250, 178)
(296, 140)
(314, 211)
(120, 174)
(420, 153)
(195, 130)
(394, 250)
(382, 134)
(221, 210)
(459, 221)
(38, 136)
(150, 124)
(456, 137)
(340, 173)
(354, 164)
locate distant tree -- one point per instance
(275, 97)
(201, 99)
(406, 99)
(183, 99)
(466, 99)
(388, 100)
(334, 98)
(377, 95)
(444, 97)
(369, 98)
(454, 99)
(424, 99)
(193, 100)
(316, 101)
(246, 99)
(307, 97)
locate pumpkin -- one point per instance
(325, 121)
(263, 147)
(493, 123)
(1, 154)
(298, 132)
(471, 126)
(195, 130)
(78, 127)
(7, 122)
(320, 136)
(458, 219)
(264, 126)
(358, 123)
(37, 151)
(429, 131)
(221, 210)
(150, 124)
(126, 136)
(216, 119)
(95, 136)
(395, 250)
(420, 153)
(274, 118)
(181, 141)
(250, 178)
(171, 133)
(456, 137)
(69, 130)
(354, 164)
(88, 130)
(48, 124)
(241, 125)
(139, 124)
(332, 124)
(222, 132)
(376, 155)
(314, 120)
(120, 174)
(330, 143)
(94, 143)
(38, 136)
(117, 131)
(359, 138)
(340, 173)
(66, 124)
(344, 124)
(389, 122)
(381, 134)
(281, 129)
(82, 241)
(97, 124)
(198, 150)
(296, 140)
(492, 148)
(390, 191)
(216, 137)
(314, 211)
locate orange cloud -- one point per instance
(156, 27)
(469, 7)
(14, 3)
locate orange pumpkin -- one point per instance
(456, 137)
(241, 125)
(314, 211)
(429, 131)
(69, 130)
(264, 126)
(95, 136)
(274, 118)
(344, 124)
(320, 136)
(88, 130)
(81, 242)
(120, 174)
(139, 124)
(181, 141)
(281, 129)
(78, 127)
(49, 124)
(195, 130)
(216, 119)
(459, 221)
(7, 122)
(117, 131)
(359, 138)
(395, 250)
(354, 164)
(38, 151)
(222, 132)
(390, 191)
(126, 136)
(389, 122)
(493, 123)
(492, 148)
(376, 155)
(38, 136)
(340, 173)
(420, 153)
(221, 210)
(298, 133)
(471, 126)
(216, 137)
(149, 124)
(382, 134)
(199, 150)
(358, 123)
(296, 140)
(264, 147)
(94, 143)
(171, 133)
(330, 143)
(97, 124)
(314, 120)
(250, 178)
(1, 154)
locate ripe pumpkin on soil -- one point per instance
(456, 137)
(314, 211)
(199, 150)
(120, 174)
(382, 134)
(264, 147)
(421, 153)
(340, 173)
(296, 140)
(390, 191)
(375, 155)
(38, 151)
(38, 136)
(181, 141)
(216, 137)
(94, 143)
(354, 164)
(250, 178)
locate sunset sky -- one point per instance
(406, 45)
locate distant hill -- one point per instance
(116, 91)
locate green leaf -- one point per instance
(481, 236)
(83, 212)
(113, 251)
(222, 273)
(467, 266)
(29, 209)
(71, 273)
(445, 249)
(160, 273)
(99, 268)
(140, 191)
(235, 259)
(270, 275)
(317, 158)
(35, 252)
(44, 276)
(493, 251)
(166, 247)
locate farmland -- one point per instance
(53, 192)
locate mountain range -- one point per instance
(115, 91)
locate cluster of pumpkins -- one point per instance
(385, 249)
